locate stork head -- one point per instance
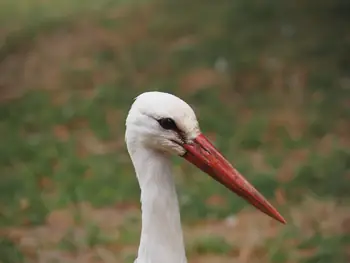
(165, 123)
(161, 121)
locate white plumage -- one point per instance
(150, 145)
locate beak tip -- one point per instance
(280, 219)
(284, 222)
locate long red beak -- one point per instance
(206, 157)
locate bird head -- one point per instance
(165, 123)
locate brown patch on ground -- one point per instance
(307, 216)
(88, 144)
(250, 228)
(48, 59)
(216, 200)
(199, 79)
(216, 259)
(258, 162)
(47, 56)
(290, 119)
(248, 232)
(290, 164)
(41, 243)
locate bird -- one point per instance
(159, 125)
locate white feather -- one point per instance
(149, 146)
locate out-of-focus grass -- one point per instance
(269, 82)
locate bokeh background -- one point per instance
(269, 80)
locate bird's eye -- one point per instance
(167, 124)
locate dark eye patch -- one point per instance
(168, 124)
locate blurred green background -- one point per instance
(269, 80)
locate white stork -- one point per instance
(159, 125)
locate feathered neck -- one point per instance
(161, 236)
